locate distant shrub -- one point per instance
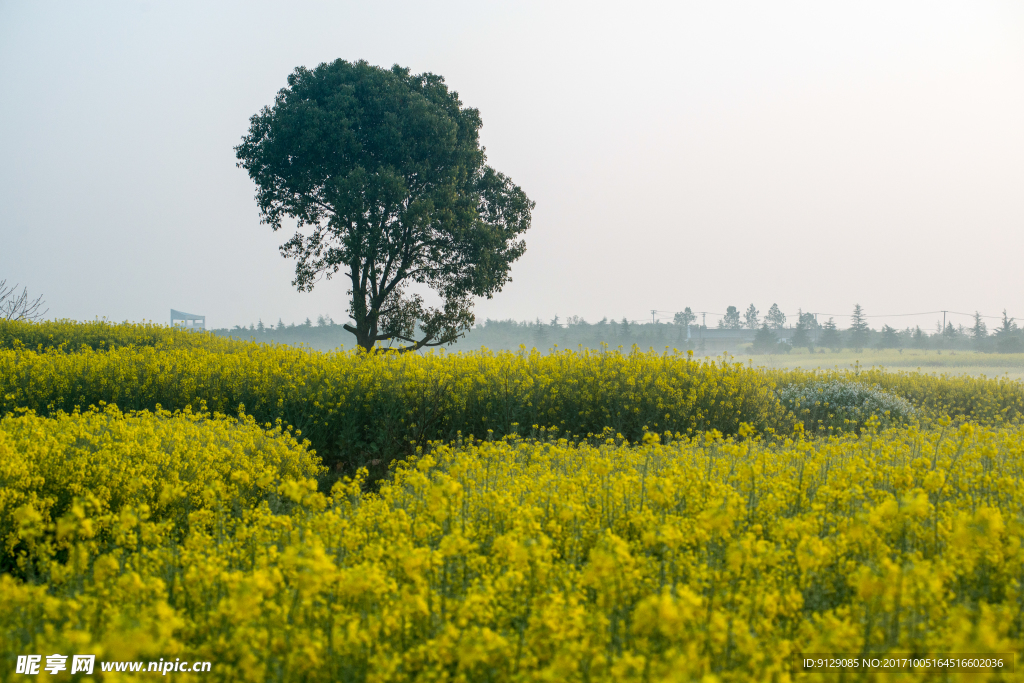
(843, 405)
(978, 399)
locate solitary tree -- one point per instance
(383, 173)
(15, 306)
(750, 317)
(731, 320)
(775, 318)
(859, 329)
(685, 317)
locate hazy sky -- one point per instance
(814, 154)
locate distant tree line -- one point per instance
(771, 333)
(811, 334)
(324, 334)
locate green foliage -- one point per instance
(383, 172)
(844, 405)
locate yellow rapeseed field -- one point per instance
(689, 529)
(70, 336)
(672, 560)
(356, 409)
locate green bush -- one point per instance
(843, 405)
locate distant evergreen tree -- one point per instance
(979, 333)
(1007, 336)
(890, 338)
(775, 318)
(949, 336)
(830, 337)
(919, 338)
(859, 330)
(624, 328)
(540, 334)
(280, 324)
(765, 340)
(750, 317)
(308, 323)
(259, 326)
(802, 337)
(806, 332)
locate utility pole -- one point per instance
(653, 321)
(944, 322)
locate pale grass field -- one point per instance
(1009, 365)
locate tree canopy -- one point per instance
(386, 182)
(776, 319)
(750, 317)
(731, 319)
(684, 317)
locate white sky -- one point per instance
(811, 154)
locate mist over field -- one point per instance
(805, 343)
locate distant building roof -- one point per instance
(187, 320)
